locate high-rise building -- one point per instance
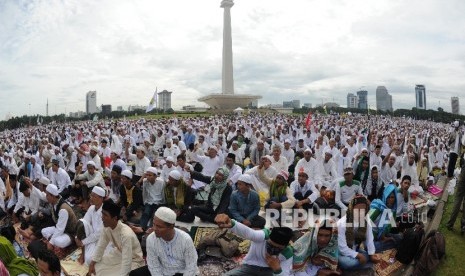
(420, 96)
(455, 105)
(383, 99)
(351, 101)
(91, 102)
(292, 104)
(309, 105)
(106, 108)
(164, 100)
(362, 96)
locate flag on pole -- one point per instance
(153, 102)
(308, 121)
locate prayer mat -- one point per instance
(71, 267)
(385, 267)
(22, 242)
(199, 232)
(213, 266)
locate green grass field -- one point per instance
(454, 262)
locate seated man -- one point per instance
(130, 198)
(218, 197)
(28, 206)
(280, 194)
(269, 253)
(83, 182)
(382, 214)
(152, 194)
(304, 191)
(347, 189)
(126, 254)
(316, 252)
(90, 227)
(179, 196)
(179, 258)
(354, 229)
(64, 218)
(244, 204)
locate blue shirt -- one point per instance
(244, 206)
(189, 138)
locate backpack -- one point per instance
(432, 250)
(408, 248)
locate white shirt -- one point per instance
(344, 250)
(210, 165)
(31, 203)
(60, 179)
(61, 222)
(141, 164)
(176, 256)
(92, 179)
(281, 164)
(308, 186)
(166, 171)
(309, 167)
(289, 155)
(152, 193)
(94, 218)
(173, 151)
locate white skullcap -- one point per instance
(328, 151)
(245, 178)
(175, 174)
(169, 141)
(127, 173)
(99, 191)
(175, 138)
(94, 148)
(166, 214)
(91, 163)
(52, 189)
(152, 170)
(141, 148)
(308, 149)
(287, 141)
(170, 159)
(267, 157)
(44, 180)
(456, 123)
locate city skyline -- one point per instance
(311, 50)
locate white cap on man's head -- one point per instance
(52, 189)
(166, 214)
(44, 180)
(175, 174)
(127, 173)
(99, 191)
(152, 170)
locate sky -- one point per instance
(313, 50)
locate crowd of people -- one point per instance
(117, 190)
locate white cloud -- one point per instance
(311, 50)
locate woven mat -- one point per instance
(203, 232)
(384, 267)
(22, 242)
(70, 265)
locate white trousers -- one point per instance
(111, 264)
(89, 248)
(61, 241)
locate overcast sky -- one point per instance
(301, 49)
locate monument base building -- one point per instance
(228, 101)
